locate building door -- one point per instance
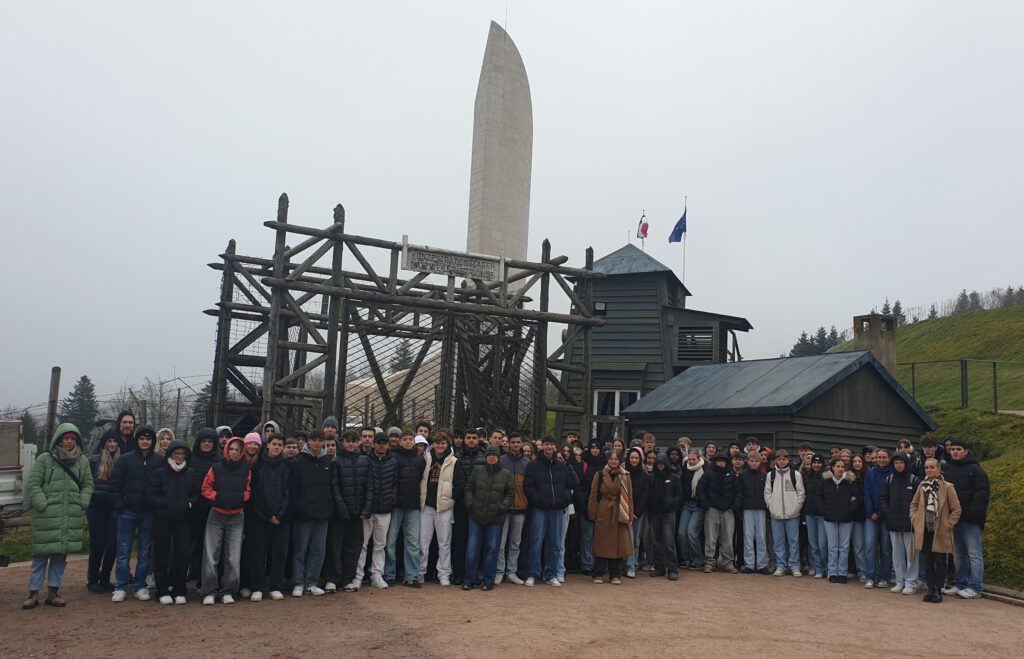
(608, 406)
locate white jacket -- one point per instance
(783, 499)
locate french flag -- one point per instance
(641, 229)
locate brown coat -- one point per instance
(612, 538)
(948, 515)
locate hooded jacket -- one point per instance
(752, 485)
(784, 493)
(489, 494)
(516, 467)
(351, 473)
(719, 489)
(311, 490)
(873, 483)
(202, 461)
(449, 485)
(129, 480)
(59, 502)
(584, 470)
(972, 489)
(897, 494)
(271, 494)
(814, 483)
(665, 493)
(690, 477)
(382, 483)
(172, 494)
(641, 481)
(274, 424)
(410, 473)
(126, 445)
(102, 498)
(227, 486)
(838, 502)
(549, 483)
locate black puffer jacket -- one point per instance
(488, 494)
(972, 489)
(311, 488)
(102, 497)
(228, 485)
(172, 494)
(270, 488)
(666, 492)
(641, 481)
(897, 493)
(814, 482)
(382, 485)
(129, 480)
(470, 460)
(201, 462)
(719, 489)
(752, 483)
(410, 472)
(351, 472)
(838, 503)
(549, 483)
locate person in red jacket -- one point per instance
(227, 488)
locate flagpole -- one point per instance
(684, 245)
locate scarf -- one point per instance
(623, 507)
(699, 472)
(175, 466)
(931, 503)
(68, 457)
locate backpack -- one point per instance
(792, 477)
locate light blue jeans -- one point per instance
(54, 577)
(586, 544)
(755, 552)
(406, 522)
(512, 537)
(128, 524)
(876, 539)
(816, 542)
(633, 559)
(860, 549)
(547, 532)
(968, 556)
(688, 534)
(837, 539)
(563, 528)
(904, 558)
(786, 536)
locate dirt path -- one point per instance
(701, 614)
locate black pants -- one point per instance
(344, 541)
(611, 565)
(199, 516)
(737, 545)
(265, 549)
(934, 562)
(460, 535)
(172, 551)
(102, 544)
(663, 532)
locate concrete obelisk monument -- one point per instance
(499, 182)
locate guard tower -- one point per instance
(877, 333)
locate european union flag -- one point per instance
(678, 231)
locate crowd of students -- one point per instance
(314, 513)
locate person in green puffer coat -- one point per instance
(59, 489)
(488, 495)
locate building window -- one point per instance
(695, 344)
(608, 402)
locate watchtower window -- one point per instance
(695, 344)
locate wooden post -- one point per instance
(913, 380)
(540, 353)
(964, 393)
(995, 390)
(586, 431)
(215, 415)
(331, 368)
(51, 407)
(274, 323)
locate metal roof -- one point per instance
(629, 260)
(761, 386)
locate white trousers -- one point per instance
(377, 527)
(432, 522)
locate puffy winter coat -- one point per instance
(311, 488)
(784, 493)
(972, 489)
(450, 483)
(665, 493)
(470, 460)
(102, 497)
(382, 483)
(129, 480)
(838, 503)
(228, 484)
(641, 482)
(752, 485)
(172, 494)
(351, 471)
(58, 502)
(201, 462)
(873, 483)
(897, 493)
(814, 483)
(410, 473)
(489, 494)
(687, 477)
(549, 483)
(517, 467)
(271, 488)
(719, 489)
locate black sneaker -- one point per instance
(412, 584)
(487, 588)
(658, 572)
(389, 582)
(746, 570)
(95, 588)
(673, 576)
(467, 586)
(457, 580)
(765, 571)
(842, 579)
(833, 579)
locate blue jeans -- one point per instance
(485, 538)
(406, 522)
(128, 524)
(816, 542)
(54, 577)
(563, 528)
(786, 536)
(755, 552)
(309, 547)
(546, 532)
(632, 559)
(860, 549)
(968, 556)
(876, 539)
(691, 524)
(837, 536)
(586, 544)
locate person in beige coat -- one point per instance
(934, 512)
(611, 502)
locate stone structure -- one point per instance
(877, 333)
(499, 184)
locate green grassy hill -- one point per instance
(992, 335)
(998, 440)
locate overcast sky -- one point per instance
(833, 154)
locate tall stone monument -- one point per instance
(499, 182)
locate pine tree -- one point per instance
(803, 346)
(201, 408)
(933, 312)
(821, 341)
(897, 310)
(886, 309)
(974, 301)
(1008, 298)
(402, 359)
(963, 303)
(833, 338)
(80, 407)
(29, 431)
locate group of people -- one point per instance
(253, 516)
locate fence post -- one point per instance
(913, 380)
(964, 399)
(995, 390)
(51, 406)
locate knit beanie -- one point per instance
(492, 450)
(253, 438)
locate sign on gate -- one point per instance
(445, 262)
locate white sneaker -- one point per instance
(150, 581)
(180, 599)
(257, 596)
(142, 595)
(166, 599)
(778, 572)
(514, 578)
(869, 584)
(909, 590)
(245, 592)
(948, 590)
(316, 590)
(297, 591)
(330, 587)
(209, 600)
(631, 574)
(862, 579)
(378, 582)
(882, 584)
(797, 573)
(276, 595)
(554, 582)
(529, 582)
(819, 575)
(497, 579)
(898, 588)
(969, 594)
(353, 587)
(812, 573)
(226, 598)
(444, 581)
(118, 596)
